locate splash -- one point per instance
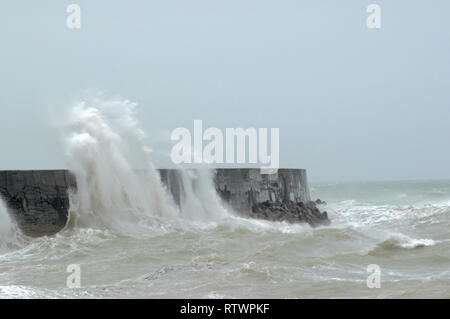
(10, 236)
(118, 187)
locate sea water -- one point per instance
(130, 240)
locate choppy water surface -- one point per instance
(247, 258)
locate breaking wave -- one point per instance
(400, 241)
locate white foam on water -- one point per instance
(360, 214)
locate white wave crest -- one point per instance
(400, 241)
(403, 241)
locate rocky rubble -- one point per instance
(291, 212)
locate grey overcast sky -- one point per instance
(351, 103)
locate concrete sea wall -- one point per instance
(39, 200)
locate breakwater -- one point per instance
(39, 199)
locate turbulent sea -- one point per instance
(130, 241)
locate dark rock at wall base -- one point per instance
(320, 202)
(290, 212)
